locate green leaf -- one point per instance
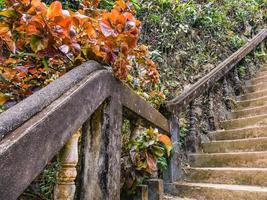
(36, 43)
(8, 13)
(44, 61)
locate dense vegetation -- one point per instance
(188, 38)
(40, 43)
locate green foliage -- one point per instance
(73, 4)
(237, 41)
(144, 155)
(1, 4)
(43, 186)
(191, 37)
(241, 69)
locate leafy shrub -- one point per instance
(190, 36)
(237, 41)
(39, 43)
(143, 157)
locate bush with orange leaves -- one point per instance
(39, 43)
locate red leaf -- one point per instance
(107, 30)
(151, 163)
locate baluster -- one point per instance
(68, 159)
(238, 84)
(135, 127)
(191, 137)
(211, 116)
(226, 95)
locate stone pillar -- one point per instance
(141, 192)
(101, 154)
(155, 189)
(173, 172)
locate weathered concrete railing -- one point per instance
(204, 87)
(87, 103)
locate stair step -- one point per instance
(226, 175)
(256, 87)
(240, 133)
(253, 95)
(207, 191)
(168, 197)
(252, 102)
(259, 79)
(245, 145)
(233, 167)
(263, 68)
(234, 159)
(245, 121)
(261, 73)
(251, 111)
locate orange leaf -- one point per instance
(9, 73)
(37, 6)
(6, 36)
(54, 10)
(120, 4)
(166, 141)
(25, 86)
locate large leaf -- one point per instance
(37, 44)
(54, 10)
(151, 163)
(6, 36)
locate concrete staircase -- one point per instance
(233, 166)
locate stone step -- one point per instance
(263, 68)
(253, 95)
(207, 191)
(226, 175)
(244, 145)
(169, 197)
(261, 73)
(245, 121)
(251, 111)
(233, 159)
(240, 133)
(252, 102)
(256, 87)
(259, 79)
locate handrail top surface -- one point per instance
(23, 111)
